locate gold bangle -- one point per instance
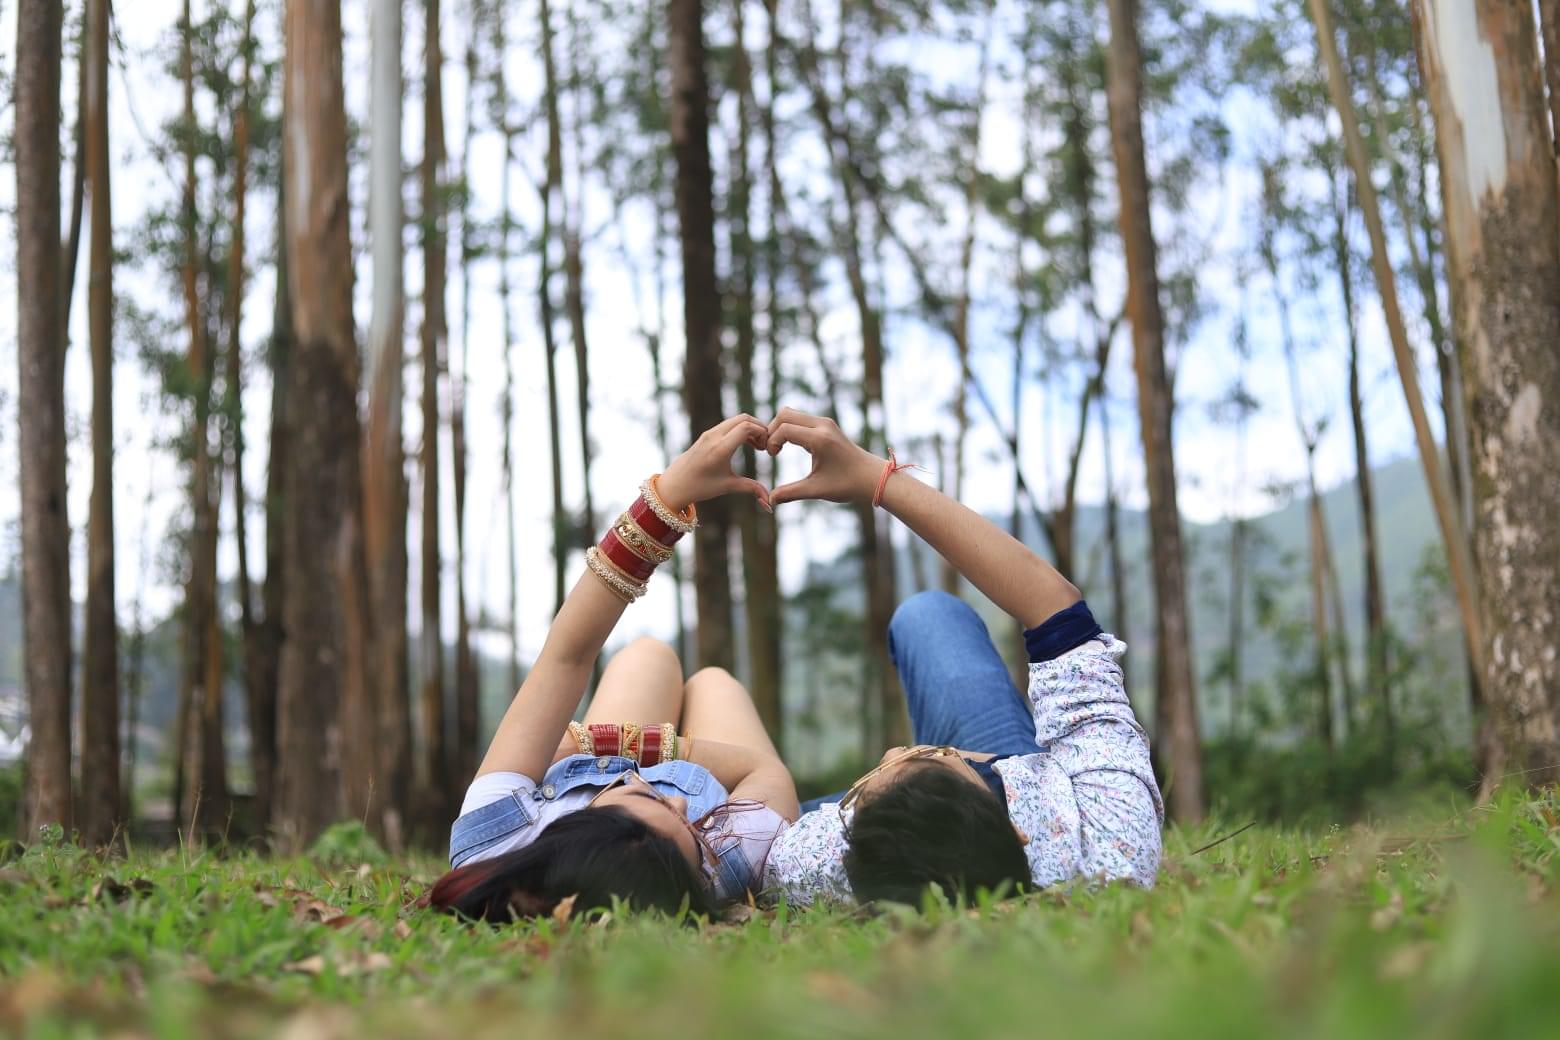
(629, 743)
(582, 737)
(639, 542)
(684, 522)
(636, 583)
(668, 742)
(621, 585)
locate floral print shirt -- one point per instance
(1086, 800)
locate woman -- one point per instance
(612, 809)
(1002, 791)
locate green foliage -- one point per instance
(1306, 784)
(10, 800)
(1441, 928)
(348, 843)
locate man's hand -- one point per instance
(842, 470)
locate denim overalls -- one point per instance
(567, 787)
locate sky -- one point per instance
(920, 380)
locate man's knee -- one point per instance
(924, 612)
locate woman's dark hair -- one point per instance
(932, 828)
(593, 855)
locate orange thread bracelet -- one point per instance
(892, 466)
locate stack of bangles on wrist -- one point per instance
(639, 541)
(646, 745)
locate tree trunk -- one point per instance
(1549, 21)
(385, 492)
(234, 406)
(507, 406)
(1376, 648)
(702, 380)
(100, 801)
(200, 788)
(760, 566)
(1458, 558)
(40, 356)
(1118, 570)
(430, 655)
(1316, 529)
(563, 535)
(1503, 263)
(463, 760)
(327, 764)
(877, 560)
(1176, 705)
(266, 663)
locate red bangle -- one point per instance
(650, 746)
(651, 524)
(625, 559)
(606, 738)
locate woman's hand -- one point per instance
(704, 470)
(842, 470)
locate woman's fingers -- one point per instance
(749, 486)
(746, 431)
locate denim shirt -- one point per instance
(506, 811)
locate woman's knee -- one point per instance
(715, 679)
(648, 652)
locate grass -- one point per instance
(1435, 928)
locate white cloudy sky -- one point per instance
(921, 375)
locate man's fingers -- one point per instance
(796, 491)
(794, 418)
(790, 433)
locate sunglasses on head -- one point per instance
(911, 754)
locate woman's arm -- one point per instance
(532, 729)
(1014, 577)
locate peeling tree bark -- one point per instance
(1481, 69)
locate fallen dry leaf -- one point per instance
(352, 963)
(1406, 961)
(357, 924)
(564, 909)
(403, 930)
(1388, 915)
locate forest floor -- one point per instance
(1432, 927)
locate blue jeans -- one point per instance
(957, 687)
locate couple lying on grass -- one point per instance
(671, 792)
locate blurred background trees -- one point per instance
(1243, 317)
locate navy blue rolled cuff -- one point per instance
(1063, 631)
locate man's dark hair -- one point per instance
(593, 855)
(932, 828)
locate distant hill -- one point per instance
(1277, 591)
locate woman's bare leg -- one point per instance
(717, 707)
(642, 683)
